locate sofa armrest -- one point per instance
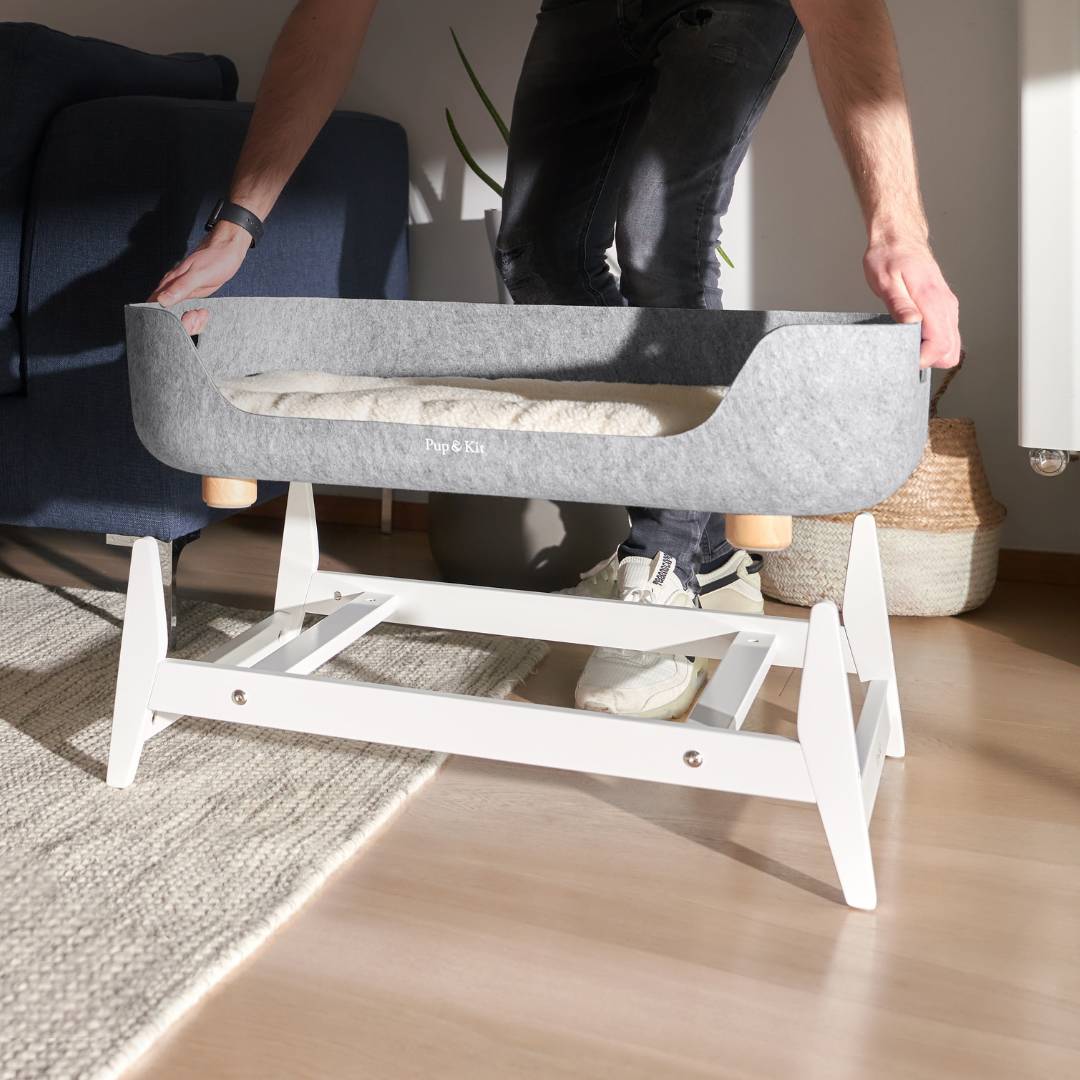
(121, 191)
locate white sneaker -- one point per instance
(655, 685)
(599, 582)
(734, 587)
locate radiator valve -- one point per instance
(1048, 462)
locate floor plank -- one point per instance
(513, 922)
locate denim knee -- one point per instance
(671, 282)
(543, 273)
(651, 290)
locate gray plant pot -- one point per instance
(492, 223)
(520, 543)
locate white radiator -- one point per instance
(1050, 232)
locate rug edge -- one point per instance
(155, 1028)
(174, 1011)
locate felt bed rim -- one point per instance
(158, 341)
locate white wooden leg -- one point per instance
(895, 747)
(827, 735)
(144, 644)
(299, 560)
(299, 548)
(866, 619)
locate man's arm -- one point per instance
(853, 52)
(308, 71)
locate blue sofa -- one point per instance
(116, 191)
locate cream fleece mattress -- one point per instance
(546, 405)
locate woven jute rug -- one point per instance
(118, 909)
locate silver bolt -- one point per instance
(693, 759)
(337, 596)
(239, 697)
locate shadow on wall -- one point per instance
(450, 257)
(807, 233)
(410, 71)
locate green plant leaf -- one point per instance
(724, 255)
(469, 159)
(488, 104)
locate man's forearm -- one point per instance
(853, 51)
(857, 68)
(309, 68)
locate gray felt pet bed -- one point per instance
(740, 412)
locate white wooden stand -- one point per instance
(264, 677)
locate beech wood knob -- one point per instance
(758, 532)
(227, 493)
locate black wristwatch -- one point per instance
(228, 211)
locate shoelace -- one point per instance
(596, 570)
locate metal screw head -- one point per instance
(693, 759)
(239, 697)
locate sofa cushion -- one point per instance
(41, 72)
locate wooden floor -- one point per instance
(512, 922)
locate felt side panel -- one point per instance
(821, 418)
(389, 338)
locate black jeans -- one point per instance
(630, 121)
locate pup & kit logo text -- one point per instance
(453, 446)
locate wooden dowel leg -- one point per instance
(227, 493)
(757, 532)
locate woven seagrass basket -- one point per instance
(939, 534)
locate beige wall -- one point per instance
(794, 229)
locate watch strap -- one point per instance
(237, 215)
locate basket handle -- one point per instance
(949, 376)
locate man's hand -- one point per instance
(907, 277)
(203, 272)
